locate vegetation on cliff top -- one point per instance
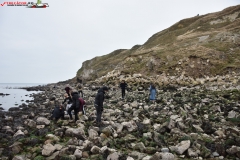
(201, 45)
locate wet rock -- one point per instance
(14, 109)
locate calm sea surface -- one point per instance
(16, 96)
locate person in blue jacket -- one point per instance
(153, 92)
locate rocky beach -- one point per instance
(190, 119)
(194, 65)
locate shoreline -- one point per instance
(13, 96)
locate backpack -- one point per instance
(82, 103)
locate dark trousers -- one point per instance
(60, 116)
(98, 114)
(75, 113)
(123, 93)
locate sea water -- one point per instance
(16, 96)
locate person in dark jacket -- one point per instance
(123, 86)
(99, 99)
(67, 89)
(75, 105)
(58, 112)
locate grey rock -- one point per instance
(164, 150)
(95, 149)
(48, 149)
(113, 156)
(163, 156)
(181, 147)
(139, 146)
(43, 121)
(78, 153)
(137, 155)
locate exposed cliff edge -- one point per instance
(199, 46)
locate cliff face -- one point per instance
(199, 46)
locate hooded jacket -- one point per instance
(75, 100)
(57, 112)
(99, 98)
(123, 85)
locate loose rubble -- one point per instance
(190, 119)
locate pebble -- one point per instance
(164, 150)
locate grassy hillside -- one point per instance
(198, 46)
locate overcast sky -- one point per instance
(50, 45)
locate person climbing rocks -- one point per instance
(99, 99)
(123, 85)
(67, 89)
(58, 112)
(79, 87)
(75, 104)
(68, 100)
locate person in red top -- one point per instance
(67, 89)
